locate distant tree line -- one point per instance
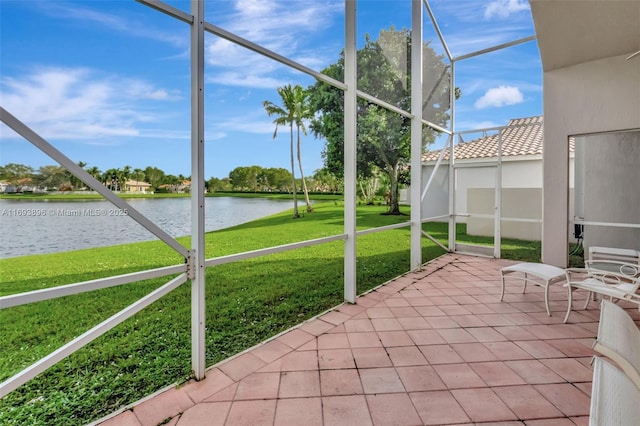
(251, 178)
(259, 179)
(57, 178)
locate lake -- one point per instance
(39, 226)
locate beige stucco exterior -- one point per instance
(593, 97)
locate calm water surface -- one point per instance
(33, 227)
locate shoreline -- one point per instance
(128, 195)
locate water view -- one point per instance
(35, 227)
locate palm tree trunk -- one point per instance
(304, 183)
(293, 178)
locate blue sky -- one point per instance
(107, 82)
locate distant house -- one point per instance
(137, 186)
(476, 165)
(182, 187)
(185, 186)
(6, 187)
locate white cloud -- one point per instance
(120, 23)
(239, 79)
(254, 122)
(504, 8)
(500, 96)
(76, 103)
(275, 25)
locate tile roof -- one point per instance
(523, 136)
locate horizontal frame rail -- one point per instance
(286, 247)
(383, 228)
(434, 218)
(494, 48)
(497, 128)
(612, 224)
(85, 286)
(84, 339)
(169, 10)
(503, 218)
(271, 250)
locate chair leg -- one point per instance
(524, 286)
(502, 292)
(586, 302)
(566, 317)
(546, 299)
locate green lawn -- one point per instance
(247, 302)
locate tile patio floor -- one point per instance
(432, 347)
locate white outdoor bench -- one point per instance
(538, 274)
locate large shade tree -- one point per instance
(384, 137)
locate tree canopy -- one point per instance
(384, 140)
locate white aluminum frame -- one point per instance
(195, 264)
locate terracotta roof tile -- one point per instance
(524, 138)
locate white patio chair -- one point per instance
(608, 278)
(612, 253)
(614, 397)
(619, 339)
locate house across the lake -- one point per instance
(137, 186)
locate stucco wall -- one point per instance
(517, 204)
(515, 174)
(521, 196)
(592, 97)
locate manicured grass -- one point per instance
(247, 302)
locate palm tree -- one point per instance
(285, 115)
(301, 112)
(73, 180)
(138, 174)
(94, 171)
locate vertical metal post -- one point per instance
(416, 134)
(497, 227)
(196, 260)
(452, 170)
(350, 122)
